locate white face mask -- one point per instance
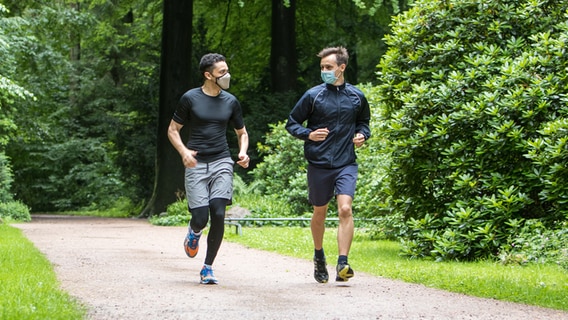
(223, 81)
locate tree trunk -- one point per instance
(283, 60)
(174, 81)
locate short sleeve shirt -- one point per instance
(207, 119)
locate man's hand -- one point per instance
(188, 158)
(359, 139)
(319, 134)
(243, 160)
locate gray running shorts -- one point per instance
(208, 181)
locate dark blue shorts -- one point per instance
(324, 184)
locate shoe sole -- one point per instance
(343, 275)
(188, 251)
(321, 280)
(209, 281)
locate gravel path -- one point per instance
(128, 269)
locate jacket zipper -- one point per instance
(338, 114)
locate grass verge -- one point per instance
(540, 285)
(28, 285)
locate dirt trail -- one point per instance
(129, 269)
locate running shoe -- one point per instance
(344, 272)
(191, 244)
(320, 270)
(207, 276)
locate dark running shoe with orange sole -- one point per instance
(191, 244)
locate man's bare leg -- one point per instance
(317, 225)
(346, 225)
(344, 237)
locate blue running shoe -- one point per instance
(207, 276)
(191, 244)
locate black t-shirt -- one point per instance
(207, 118)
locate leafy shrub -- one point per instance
(533, 242)
(15, 210)
(473, 94)
(170, 220)
(71, 175)
(176, 214)
(5, 178)
(550, 156)
(241, 188)
(372, 197)
(269, 108)
(282, 174)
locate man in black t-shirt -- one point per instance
(207, 111)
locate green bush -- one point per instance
(15, 210)
(474, 101)
(5, 178)
(372, 197)
(269, 108)
(177, 214)
(535, 243)
(75, 174)
(282, 174)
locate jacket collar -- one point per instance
(335, 88)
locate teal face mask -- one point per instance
(328, 77)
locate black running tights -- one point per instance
(199, 219)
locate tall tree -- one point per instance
(175, 75)
(283, 59)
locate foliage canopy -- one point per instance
(93, 68)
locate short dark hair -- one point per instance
(208, 61)
(341, 54)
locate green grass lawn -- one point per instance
(541, 285)
(28, 285)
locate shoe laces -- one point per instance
(207, 270)
(320, 264)
(193, 239)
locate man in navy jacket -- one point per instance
(337, 119)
